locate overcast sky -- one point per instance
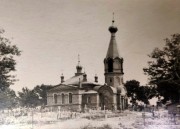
(51, 34)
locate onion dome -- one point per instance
(62, 78)
(113, 29)
(78, 67)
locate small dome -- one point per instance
(113, 29)
(79, 66)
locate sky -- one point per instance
(51, 34)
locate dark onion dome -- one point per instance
(79, 66)
(113, 29)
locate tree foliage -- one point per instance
(41, 91)
(35, 97)
(8, 52)
(7, 61)
(137, 92)
(28, 98)
(164, 69)
(8, 99)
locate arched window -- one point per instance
(55, 98)
(70, 97)
(63, 98)
(110, 65)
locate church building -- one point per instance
(79, 94)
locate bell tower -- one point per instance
(113, 63)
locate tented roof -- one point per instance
(113, 48)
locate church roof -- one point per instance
(75, 80)
(73, 83)
(62, 87)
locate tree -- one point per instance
(137, 92)
(41, 91)
(8, 99)
(132, 87)
(28, 98)
(7, 65)
(35, 97)
(144, 93)
(164, 69)
(7, 61)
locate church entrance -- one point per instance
(105, 99)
